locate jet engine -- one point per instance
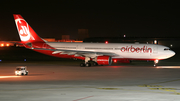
(104, 60)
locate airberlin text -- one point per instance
(132, 49)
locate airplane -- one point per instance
(95, 53)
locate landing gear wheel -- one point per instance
(95, 64)
(82, 64)
(88, 64)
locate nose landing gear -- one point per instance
(155, 62)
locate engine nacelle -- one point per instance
(104, 60)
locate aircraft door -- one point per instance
(155, 49)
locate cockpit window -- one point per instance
(166, 49)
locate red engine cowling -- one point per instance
(104, 60)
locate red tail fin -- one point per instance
(26, 33)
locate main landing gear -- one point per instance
(87, 63)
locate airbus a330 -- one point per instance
(99, 53)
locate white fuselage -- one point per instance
(123, 50)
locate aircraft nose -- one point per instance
(172, 53)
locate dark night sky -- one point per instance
(111, 18)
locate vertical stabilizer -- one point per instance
(26, 33)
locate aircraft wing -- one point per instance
(80, 53)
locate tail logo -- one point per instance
(23, 29)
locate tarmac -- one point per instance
(58, 82)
